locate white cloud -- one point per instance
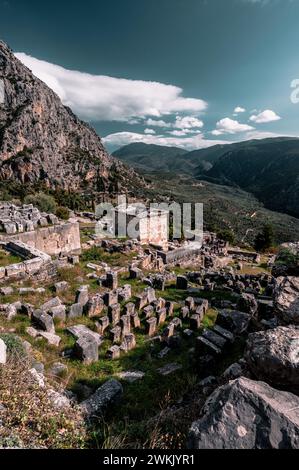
(157, 123)
(182, 132)
(239, 109)
(189, 143)
(187, 122)
(103, 98)
(265, 116)
(150, 131)
(230, 126)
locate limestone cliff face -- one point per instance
(42, 140)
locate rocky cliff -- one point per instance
(43, 141)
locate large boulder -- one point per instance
(107, 395)
(286, 299)
(234, 321)
(272, 356)
(245, 414)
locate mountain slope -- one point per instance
(268, 169)
(151, 157)
(43, 141)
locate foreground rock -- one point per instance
(109, 394)
(286, 299)
(273, 356)
(247, 415)
(2, 352)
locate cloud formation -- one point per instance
(189, 143)
(103, 98)
(265, 116)
(239, 109)
(230, 126)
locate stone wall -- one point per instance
(36, 264)
(181, 254)
(54, 240)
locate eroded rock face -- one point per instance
(247, 415)
(286, 299)
(41, 139)
(273, 356)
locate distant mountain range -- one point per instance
(268, 169)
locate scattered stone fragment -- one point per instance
(61, 287)
(106, 396)
(169, 369)
(131, 376)
(76, 311)
(43, 321)
(87, 349)
(53, 340)
(113, 352)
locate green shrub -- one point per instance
(44, 202)
(62, 213)
(13, 343)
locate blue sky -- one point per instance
(189, 73)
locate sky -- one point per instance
(186, 73)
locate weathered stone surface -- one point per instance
(113, 352)
(131, 376)
(76, 311)
(247, 415)
(234, 321)
(151, 326)
(106, 396)
(286, 299)
(58, 313)
(87, 349)
(161, 316)
(43, 321)
(114, 312)
(248, 304)
(55, 140)
(3, 349)
(195, 322)
(273, 357)
(55, 302)
(82, 295)
(94, 306)
(102, 325)
(129, 343)
(53, 340)
(32, 332)
(112, 280)
(61, 287)
(115, 334)
(79, 331)
(169, 369)
(6, 290)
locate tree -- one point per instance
(264, 239)
(44, 202)
(227, 235)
